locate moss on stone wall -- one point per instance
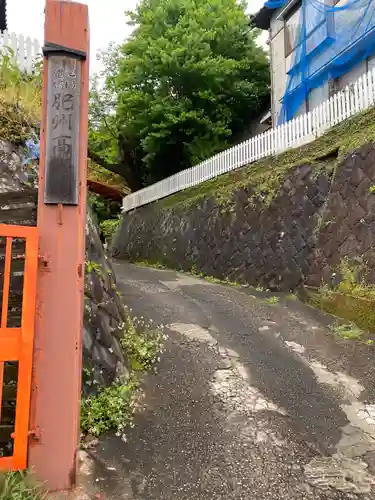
(266, 176)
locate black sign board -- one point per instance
(63, 120)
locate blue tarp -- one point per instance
(330, 41)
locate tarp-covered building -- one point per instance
(316, 48)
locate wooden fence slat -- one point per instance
(25, 51)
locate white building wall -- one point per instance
(278, 73)
(276, 25)
(351, 76)
(317, 96)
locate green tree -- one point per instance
(105, 147)
(189, 78)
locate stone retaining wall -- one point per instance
(320, 213)
(104, 315)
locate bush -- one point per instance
(103, 209)
(142, 343)
(109, 227)
(111, 408)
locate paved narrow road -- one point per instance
(253, 399)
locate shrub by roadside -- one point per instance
(349, 298)
(109, 228)
(112, 408)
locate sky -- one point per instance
(107, 21)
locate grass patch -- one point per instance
(142, 343)
(19, 486)
(351, 299)
(20, 100)
(154, 265)
(112, 408)
(193, 272)
(93, 266)
(348, 332)
(272, 300)
(226, 281)
(266, 176)
(212, 279)
(352, 282)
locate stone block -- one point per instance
(363, 189)
(122, 373)
(325, 234)
(351, 204)
(330, 247)
(103, 358)
(355, 216)
(313, 279)
(103, 377)
(357, 176)
(88, 338)
(349, 247)
(368, 204)
(303, 171)
(323, 184)
(318, 200)
(101, 324)
(96, 286)
(368, 163)
(346, 190)
(110, 306)
(117, 349)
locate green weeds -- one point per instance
(112, 408)
(19, 486)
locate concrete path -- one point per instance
(253, 399)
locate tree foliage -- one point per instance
(189, 78)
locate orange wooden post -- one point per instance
(56, 391)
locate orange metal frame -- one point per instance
(16, 344)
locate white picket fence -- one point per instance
(300, 130)
(25, 50)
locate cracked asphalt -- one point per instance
(251, 400)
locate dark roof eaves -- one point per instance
(262, 19)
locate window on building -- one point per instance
(291, 21)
